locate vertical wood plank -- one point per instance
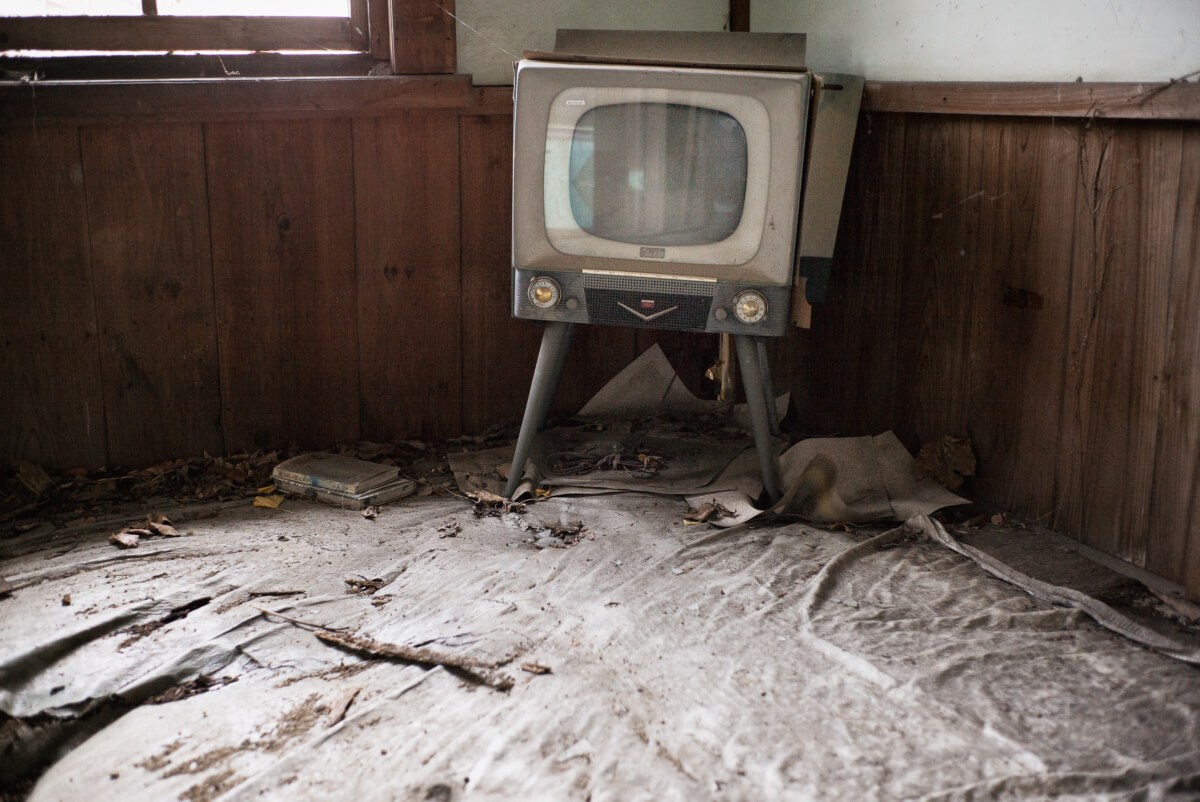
(842, 371)
(1173, 533)
(422, 34)
(1018, 327)
(942, 197)
(281, 205)
(1125, 214)
(409, 290)
(51, 396)
(498, 351)
(379, 41)
(148, 213)
(598, 354)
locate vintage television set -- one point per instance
(657, 182)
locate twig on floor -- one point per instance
(479, 670)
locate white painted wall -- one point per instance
(492, 33)
(993, 40)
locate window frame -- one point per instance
(414, 37)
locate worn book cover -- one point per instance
(335, 472)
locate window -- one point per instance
(33, 29)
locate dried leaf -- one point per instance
(272, 501)
(488, 497)
(33, 477)
(126, 540)
(164, 529)
(370, 512)
(709, 510)
(266, 489)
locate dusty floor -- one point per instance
(649, 660)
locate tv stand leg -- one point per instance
(756, 401)
(768, 388)
(556, 344)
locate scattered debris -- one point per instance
(126, 539)
(535, 668)
(364, 586)
(708, 511)
(272, 501)
(33, 477)
(66, 600)
(577, 463)
(160, 524)
(489, 504)
(449, 529)
(559, 537)
(157, 525)
(480, 670)
(258, 594)
(948, 460)
(370, 512)
(188, 689)
(337, 710)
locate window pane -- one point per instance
(658, 173)
(57, 8)
(255, 8)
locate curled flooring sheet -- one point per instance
(649, 660)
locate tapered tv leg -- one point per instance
(556, 343)
(764, 365)
(752, 381)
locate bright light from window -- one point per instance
(58, 8)
(255, 8)
(198, 8)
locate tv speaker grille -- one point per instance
(593, 281)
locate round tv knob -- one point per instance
(544, 292)
(721, 313)
(750, 307)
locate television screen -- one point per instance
(657, 174)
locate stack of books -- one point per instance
(344, 481)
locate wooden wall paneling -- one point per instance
(1125, 213)
(51, 403)
(1173, 533)
(222, 99)
(379, 40)
(943, 193)
(148, 213)
(598, 354)
(1174, 100)
(843, 369)
(1018, 326)
(423, 37)
(499, 351)
(406, 176)
(281, 206)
